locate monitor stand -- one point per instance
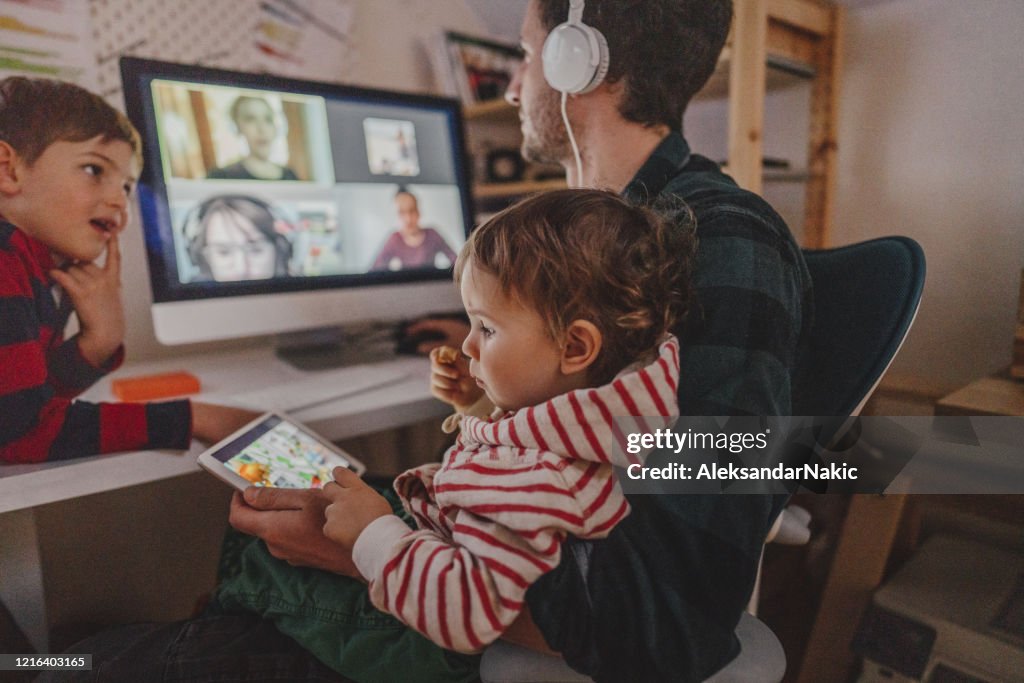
(332, 347)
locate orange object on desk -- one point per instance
(150, 387)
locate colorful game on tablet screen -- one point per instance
(285, 457)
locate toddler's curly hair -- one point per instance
(592, 255)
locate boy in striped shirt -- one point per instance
(68, 165)
(571, 295)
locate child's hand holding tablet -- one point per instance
(354, 506)
(275, 450)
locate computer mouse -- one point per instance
(408, 344)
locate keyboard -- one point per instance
(323, 387)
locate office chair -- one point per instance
(865, 298)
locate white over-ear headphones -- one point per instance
(575, 56)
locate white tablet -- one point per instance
(275, 450)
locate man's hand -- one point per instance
(291, 522)
(211, 423)
(353, 505)
(455, 332)
(450, 380)
(524, 632)
(96, 295)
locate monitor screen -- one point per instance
(273, 204)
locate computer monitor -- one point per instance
(273, 205)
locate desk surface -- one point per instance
(221, 374)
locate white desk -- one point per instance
(23, 487)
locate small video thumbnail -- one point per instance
(391, 147)
(238, 237)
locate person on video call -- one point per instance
(231, 238)
(680, 568)
(412, 245)
(255, 121)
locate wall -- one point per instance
(931, 146)
(502, 18)
(391, 40)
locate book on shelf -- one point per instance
(474, 69)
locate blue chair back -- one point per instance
(865, 298)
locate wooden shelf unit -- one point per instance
(497, 110)
(515, 189)
(773, 42)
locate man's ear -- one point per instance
(10, 170)
(582, 346)
(614, 92)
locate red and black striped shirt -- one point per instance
(41, 373)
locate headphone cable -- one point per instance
(572, 141)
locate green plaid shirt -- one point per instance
(660, 597)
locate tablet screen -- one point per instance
(275, 452)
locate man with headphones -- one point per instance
(602, 91)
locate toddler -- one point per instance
(570, 295)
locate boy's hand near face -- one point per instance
(353, 506)
(450, 380)
(95, 293)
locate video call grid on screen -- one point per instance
(286, 185)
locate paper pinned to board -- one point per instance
(47, 39)
(303, 38)
(82, 41)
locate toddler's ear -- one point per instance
(582, 346)
(9, 169)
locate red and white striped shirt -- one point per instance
(492, 516)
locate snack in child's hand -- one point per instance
(447, 355)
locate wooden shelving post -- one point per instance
(821, 157)
(747, 83)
